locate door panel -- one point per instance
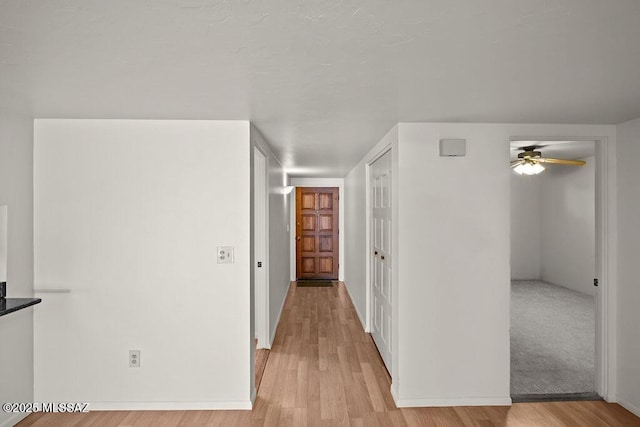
(317, 233)
(380, 188)
(308, 201)
(326, 201)
(326, 244)
(308, 243)
(308, 265)
(308, 222)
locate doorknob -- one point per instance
(298, 238)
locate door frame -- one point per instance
(261, 247)
(316, 182)
(369, 245)
(605, 260)
(368, 242)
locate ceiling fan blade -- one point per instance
(561, 161)
(515, 163)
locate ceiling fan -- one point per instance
(529, 161)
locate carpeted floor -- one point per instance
(552, 339)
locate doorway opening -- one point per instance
(555, 261)
(317, 232)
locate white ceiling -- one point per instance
(571, 150)
(323, 80)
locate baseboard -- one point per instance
(634, 409)
(14, 419)
(394, 392)
(364, 325)
(254, 394)
(455, 401)
(170, 406)
(275, 329)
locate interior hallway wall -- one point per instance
(278, 234)
(128, 216)
(16, 329)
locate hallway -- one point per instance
(324, 370)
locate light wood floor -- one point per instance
(323, 370)
(262, 355)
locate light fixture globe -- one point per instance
(529, 168)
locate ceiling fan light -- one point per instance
(537, 168)
(529, 168)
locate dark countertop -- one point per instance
(9, 305)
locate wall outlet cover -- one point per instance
(225, 254)
(134, 358)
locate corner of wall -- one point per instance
(16, 191)
(358, 313)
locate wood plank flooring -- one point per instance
(262, 355)
(323, 370)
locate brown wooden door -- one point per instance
(317, 233)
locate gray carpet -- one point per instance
(552, 339)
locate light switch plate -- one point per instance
(225, 254)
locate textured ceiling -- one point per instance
(323, 80)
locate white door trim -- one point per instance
(385, 347)
(369, 246)
(606, 308)
(261, 248)
(605, 233)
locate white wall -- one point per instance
(628, 300)
(355, 231)
(453, 245)
(3, 242)
(128, 216)
(525, 227)
(454, 266)
(16, 329)
(278, 236)
(317, 182)
(568, 211)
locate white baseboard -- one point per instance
(273, 333)
(394, 392)
(454, 401)
(364, 325)
(633, 408)
(170, 406)
(13, 419)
